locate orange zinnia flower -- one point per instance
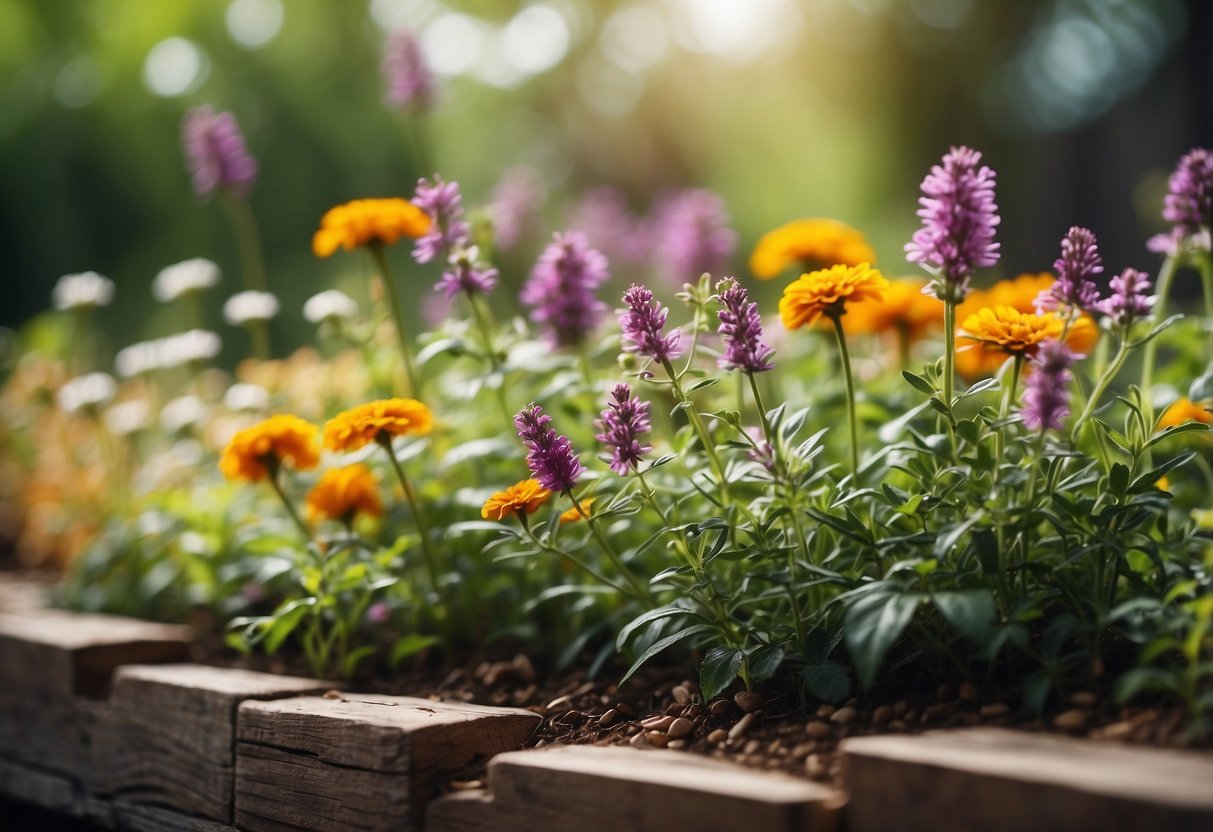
(255, 453)
(904, 308)
(827, 292)
(1185, 410)
(375, 421)
(368, 222)
(811, 243)
(524, 496)
(576, 513)
(341, 493)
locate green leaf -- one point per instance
(873, 623)
(1186, 427)
(765, 661)
(1118, 479)
(718, 670)
(918, 383)
(1142, 679)
(354, 658)
(827, 681)
(644, 618)
(969, 611)
(410, 645)
(284, 622)
(668, 641)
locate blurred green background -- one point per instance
(787, 108)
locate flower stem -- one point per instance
(548, 547)
(700, 430)
(846, 371)
(1008, 400)
(1205, 264)
(1122, 351)
(290, 508)
(639, 591)
(762, 412)
(402, 334)
(259, 330)
(248, 241)
(431, 563)
(486, 337)
(949, 349)
(1162, 289)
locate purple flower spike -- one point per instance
(549, 455)
(959, 216)
(407, 80)
(604, 216)
(1046, 399)
(642, 324)
(467, 274)
(1130, 298)
(216, 154)
(693, 236)
(1079, 262)
(515, 207)
(562, 287)
(741, 329)
(622, 424)
(448, 230)
(1189, 203)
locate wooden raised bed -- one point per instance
(101, 720)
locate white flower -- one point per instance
(139, 358)
(92, 390)
(78, 291)
(126, 418)
(252, 397)
(188, 347)
(181, 413)
(329, 304)
(187, 276)
(245, 307)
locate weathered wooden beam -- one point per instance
(585, 787)
(996, 780)
(363, 762)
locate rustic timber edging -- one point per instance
(101, 720)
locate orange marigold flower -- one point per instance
(827, 292)
(812, 243)
(904, 308)
(1185, 410)
(526, 495)
(376, 421)
(341, 493)
(1007, 330)
(368, 222)
(255, 452)
(578, 512)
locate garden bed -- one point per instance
(102, 721)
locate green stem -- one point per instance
(762, 411)
(1205, 264)
(1008, 400)
(486, 337)
(1163, 289)
(273, 468)
(259, 331)
(846, 371)
(248, 241)
(949, 347)
(547, 547)
(431, 563)
(402, 334)
(1122, 351)
(700, 430)
(638, 590)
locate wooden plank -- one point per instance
(615, 788)
(363, 761)
(132, 818)
(995, 780)
(37, 788)
(21, 593)
(171, 730)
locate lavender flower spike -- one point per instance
(642, 323)
(959, 216)
(562, 287)
(1079, 262)
(549, 455)
(694, 235)
(408, 81)
(216, 154)
(1130, 298)
(622, 424)
(741, 329)
(466, 274)
(1046, 401)
(1189, 203)
(448, 230)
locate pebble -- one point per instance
(751, 747)
(560, 703)
(1071, 720)
(749, 701)
(639, 741)
(674, 709)
(900, 707)
(677, 744)
(681, 695)
(657, 723)
(523, 668)
(814, 767)
(826, 711)
(844, 716)
(995, 709)
(466, 785)
(1118, 730)
(608, 719)
(692, 711)
(680, 728)
(656, 739)
(803, 750)
(945, 692)
(718, 736)
(968, 691)
(818, 730)
(1083, 699)
(882, 716)
(738, 730)
(938, 712)
(897, 726)
(721, 707)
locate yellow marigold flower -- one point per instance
(366, 222)
(904, 308)
(253, 452)
(526, 495)
(341, 493)
(1185, 410)
(827, 292)
(1007, 330)
(374, 421)
(811, 242)
(575, 514)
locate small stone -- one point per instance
(945, 692)
(657, 740)
(749, 701)
(718, 736)
(897, 726)
(680, 728)
(938, 712)
(466, 785)
(1083, 699)
(1071, 720)
(673, 709)
(721, 707)
(499, 672)
(639, 741)
(995, 709)
(751, 747)
(559, 704)
(608, 719)
(692, 711)
(900, 707)
(818, 730)
(657, 723)
(676, 744)
(968, 691)
(681, 695)
(524, 670)
(738, 730)
(815, 768)
(882, 716)
(803, 750)
(844, 716)
(624, 709)
(826, 711)
(1118, 730)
